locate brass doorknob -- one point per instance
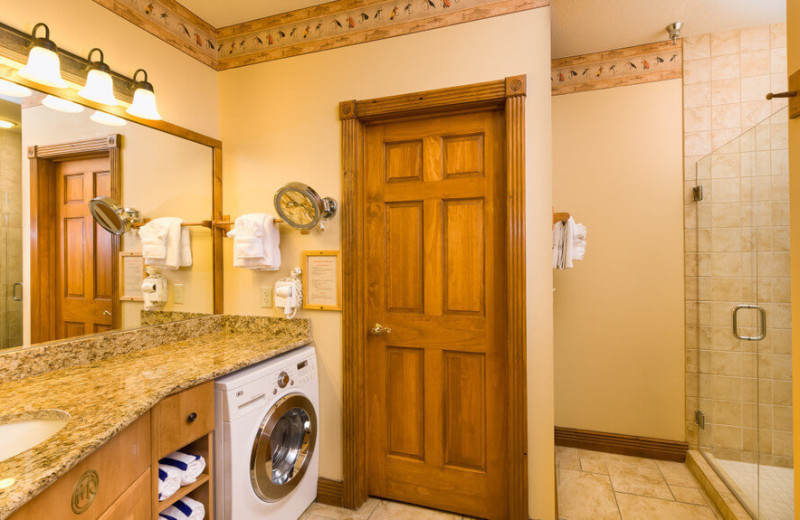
(106, 313)
(379, 330)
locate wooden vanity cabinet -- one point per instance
(122, 475)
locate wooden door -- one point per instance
(84, 273)
(435, 271)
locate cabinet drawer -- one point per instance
(183, 418)
(92, 486)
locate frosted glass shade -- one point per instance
(6, 124)
(107, 119)
(62, 105)
(44, 68)
(99, 88)
(8, 88)
(144, 105)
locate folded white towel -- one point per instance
(569, 243)
(159, 250)
(186, 247)
(169, 481)
(190, 465)
(184, 509)
(256, 242)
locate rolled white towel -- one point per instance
(190, 466)
(169, 481)
(184, 509)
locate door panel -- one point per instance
(435, 272)
(84, 280)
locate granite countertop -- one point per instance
(103, 397)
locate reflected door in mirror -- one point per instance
(84, 278)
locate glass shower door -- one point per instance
(743, 332)
(10, 238)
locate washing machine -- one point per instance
(266, 460)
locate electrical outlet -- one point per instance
(178, 293)
(266, 296)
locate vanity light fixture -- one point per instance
(44, 66)
(107, 119)
(13, 90)
(6, 124)
(144, 99)
(61, 105)
(99, 85)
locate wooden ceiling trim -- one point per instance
(171, 22)
(616, 68)
(381, 19)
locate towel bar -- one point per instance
(225, 224)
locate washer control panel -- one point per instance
(294, 375)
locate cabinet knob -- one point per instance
(192, 417)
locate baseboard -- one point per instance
(329, 492)
(648, 447)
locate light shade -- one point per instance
(99, 88)
(62, 105)
(107, 119)
(6, 124)
(144, 105)
(8, 88)
(43, 67)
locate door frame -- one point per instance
(44, 263)
(509, 95)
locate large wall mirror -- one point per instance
(62, 275)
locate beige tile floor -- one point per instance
(375, 509)
(603, 486)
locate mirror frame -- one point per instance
(13, 44)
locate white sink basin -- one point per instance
(21, 433)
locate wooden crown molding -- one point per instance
(629, 66)
(99, 144)
(321, 27)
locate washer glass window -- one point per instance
(283, 447)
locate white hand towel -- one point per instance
(579, 242)
(558, 242)
(169, 481)
(172, 257)
(186, 247)
(190, 465)
(256, 242)
(184, 509)
(153, 236)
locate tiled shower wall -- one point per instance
(741, 228)
(10, 236)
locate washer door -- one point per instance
(283, 447)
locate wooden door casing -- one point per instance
(435, 271)
(508, 95)
(84, 274)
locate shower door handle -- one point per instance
(14, 292)
(762, 323)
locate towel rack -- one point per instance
(225, 224)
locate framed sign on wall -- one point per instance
(132, 276)
(322, 280)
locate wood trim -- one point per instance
(329, 492)
(662, 449)
(43, 231)
(509, 93)
(616, 68)
(217, 233)
(335, 25)
(171, 23)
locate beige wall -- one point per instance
(162, 176)
(619, 314)
(279, 123)
(793, 48)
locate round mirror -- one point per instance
(301, 207)
(111, 215)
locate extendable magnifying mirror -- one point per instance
(112, 216)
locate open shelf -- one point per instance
(184, 491)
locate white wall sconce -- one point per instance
(13, 90)
(44, 66)
(99, 85)
(107, 119)
(62, 105)
(6, 124)
(144, 99)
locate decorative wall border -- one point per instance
(326, 26)
(629, 66)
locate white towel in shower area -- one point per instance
(569, 243)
